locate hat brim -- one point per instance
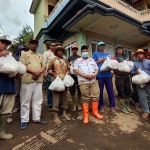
(102, 44)
(135, 54)
(57, 48)
(8, 41)
(36, 41)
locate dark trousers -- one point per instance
(49, 92)
(17, 95)
(123, 86)
(134, 95)
(107, 81)
(75, 86)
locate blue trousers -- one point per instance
(107, 81)
(49, 92)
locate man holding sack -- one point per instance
(59, 66)
(144, 64)
(122, 81)
(7, 91)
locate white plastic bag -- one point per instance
(57, 85)
(68, 81)
(21, 68)
(109, 64)
(10, 65)
(141, 79)
(123, 67)
(130, 64)
(71, 70)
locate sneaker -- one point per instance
(113, 109)
(24, 125)
(101, 109)
(40, 121)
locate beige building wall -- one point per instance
(144, 44)
(70, 40)
(92, 35)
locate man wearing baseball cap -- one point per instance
(32, 85)
(71, 59)
(144, 64)
(104, 77)
(7, 92)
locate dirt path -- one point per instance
(115, 132)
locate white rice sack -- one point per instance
(57, 85)
(68, 81)
(10, 65)
(21, 68)
(123, 67)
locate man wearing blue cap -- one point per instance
(104, 77)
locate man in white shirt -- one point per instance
(48, 56)
(87, 70)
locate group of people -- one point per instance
(89, 83)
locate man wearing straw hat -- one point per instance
(59, 66)
(144, 64)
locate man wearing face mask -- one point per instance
(87, 70)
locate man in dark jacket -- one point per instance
(17, 56)
(7, 92)
(122, 81)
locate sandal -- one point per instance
(16, 110)
(101, 109)
(145, 115)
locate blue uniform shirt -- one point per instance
(7, 85)
(143, 65)
(100, 55)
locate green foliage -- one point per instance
(23, 38)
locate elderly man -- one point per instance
(87, 70)
(59, 67)
(104, 77)
(48, 56)
(7, 92)
(144, 64)
(32, 84)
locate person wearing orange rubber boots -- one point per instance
(87, 70)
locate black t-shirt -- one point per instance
(72, 58)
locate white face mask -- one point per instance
(85, 54)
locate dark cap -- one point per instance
(84, 47)
(4, 38)
(118, 46)
(33, 40)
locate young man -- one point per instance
(123, 81)
(59, 66)
(87, 70)
(144, 64)
(76, 102)
(104, 77)
(32, 84)
(7, 92)
(17, 56)
(48, 56)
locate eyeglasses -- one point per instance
(53, 45)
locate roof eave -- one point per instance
(34, 6)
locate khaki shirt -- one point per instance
(34, 61)
(59, 66)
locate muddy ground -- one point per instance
(115, 132)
